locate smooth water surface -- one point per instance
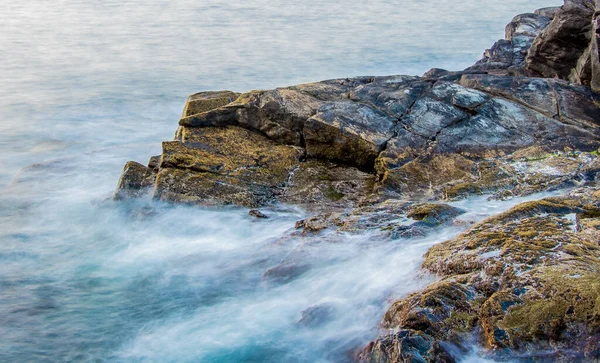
(87, 85)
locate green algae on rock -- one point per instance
(525, 281)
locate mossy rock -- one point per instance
(135, 180)
(526, 280)
(192, 187)
(434, 214)
(427, 174)
(201, 169)
(256, 158)
(207, 101)
(320, 184)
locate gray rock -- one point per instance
(570, 103)
(548, 12)
(345, 142)
(508, 54)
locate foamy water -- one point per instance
(87, 86)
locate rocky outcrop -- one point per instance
(340, 143)
(508, 55)
(360, 152)
(568, 48)
(525, 283)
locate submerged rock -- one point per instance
(317, 315)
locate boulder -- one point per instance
(135, 180)
(555, 53)
(378, 153)
(206, 101)
(201, 169)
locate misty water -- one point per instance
(87, 85)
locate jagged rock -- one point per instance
(337, 143)
(548, 12)
(594, 51)
(368, 153)
(509, 54)
(135, 180)
(279, 114)
(555, 53)
(434, 214)
(526, 280)
(522, 31)
(573, 105)
(154, 162)
(347, 132)
(206, 101)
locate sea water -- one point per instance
(87, 85)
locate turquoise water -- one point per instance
(87, 86)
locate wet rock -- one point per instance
(318, 223)
(257, 214)
(522, 282)
(369, 153)
(285, 273)
(405, 346)
(135, 180)
(317, 315)
(434, 214)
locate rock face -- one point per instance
(568, 48)
(342, 142)
(359, 152)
